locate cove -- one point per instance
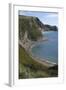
(47, 50)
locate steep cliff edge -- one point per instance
(33, 26)
(30, 25)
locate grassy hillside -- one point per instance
(50, 28)
(30, 25)
(33, 26)
(29, 68)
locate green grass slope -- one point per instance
(29, 68)
(33, 26)
(29, 24)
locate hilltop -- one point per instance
(30, 32)
(33, 26)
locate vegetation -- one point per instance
(33, 26)
(29, 68)
(30, 25)
(50, 28)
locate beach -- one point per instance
(29, 45)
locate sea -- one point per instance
(48, 49)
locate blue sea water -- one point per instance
(48, 50)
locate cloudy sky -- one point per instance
(45, 17)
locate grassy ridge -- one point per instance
(30, 25)
(33, 26)
(29, 68)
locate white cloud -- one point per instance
(51, 15)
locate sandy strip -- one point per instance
(40, 60)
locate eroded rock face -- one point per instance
(33, 26)
(30, 30)
(29, 24)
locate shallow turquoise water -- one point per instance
(48, 49)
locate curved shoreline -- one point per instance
(40, 60)
(36, 58)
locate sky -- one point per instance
(50, 18)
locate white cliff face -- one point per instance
(25, 42)
(25, 35)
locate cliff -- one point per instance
(33, 26)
